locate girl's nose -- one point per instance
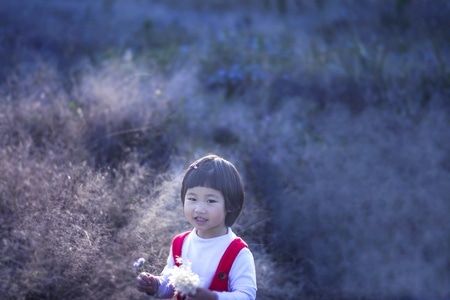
(199, 208)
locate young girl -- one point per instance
(212, 194)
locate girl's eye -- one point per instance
(212, 201)
(191, 199)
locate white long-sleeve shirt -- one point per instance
(204, 256)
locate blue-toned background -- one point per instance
(335, 112)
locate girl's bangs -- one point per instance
(204, 178)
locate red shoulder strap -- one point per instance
(220, 280)
(177, 244)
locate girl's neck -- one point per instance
(210, 235)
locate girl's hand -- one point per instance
(202, 294)
(147, 283)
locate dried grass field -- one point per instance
(337, 114)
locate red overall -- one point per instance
(219, 282)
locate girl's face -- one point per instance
(204, 208)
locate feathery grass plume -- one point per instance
(183, 279)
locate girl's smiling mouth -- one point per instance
(200, 220)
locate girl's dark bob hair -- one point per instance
(214, 172)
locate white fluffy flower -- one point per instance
(183, 279)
